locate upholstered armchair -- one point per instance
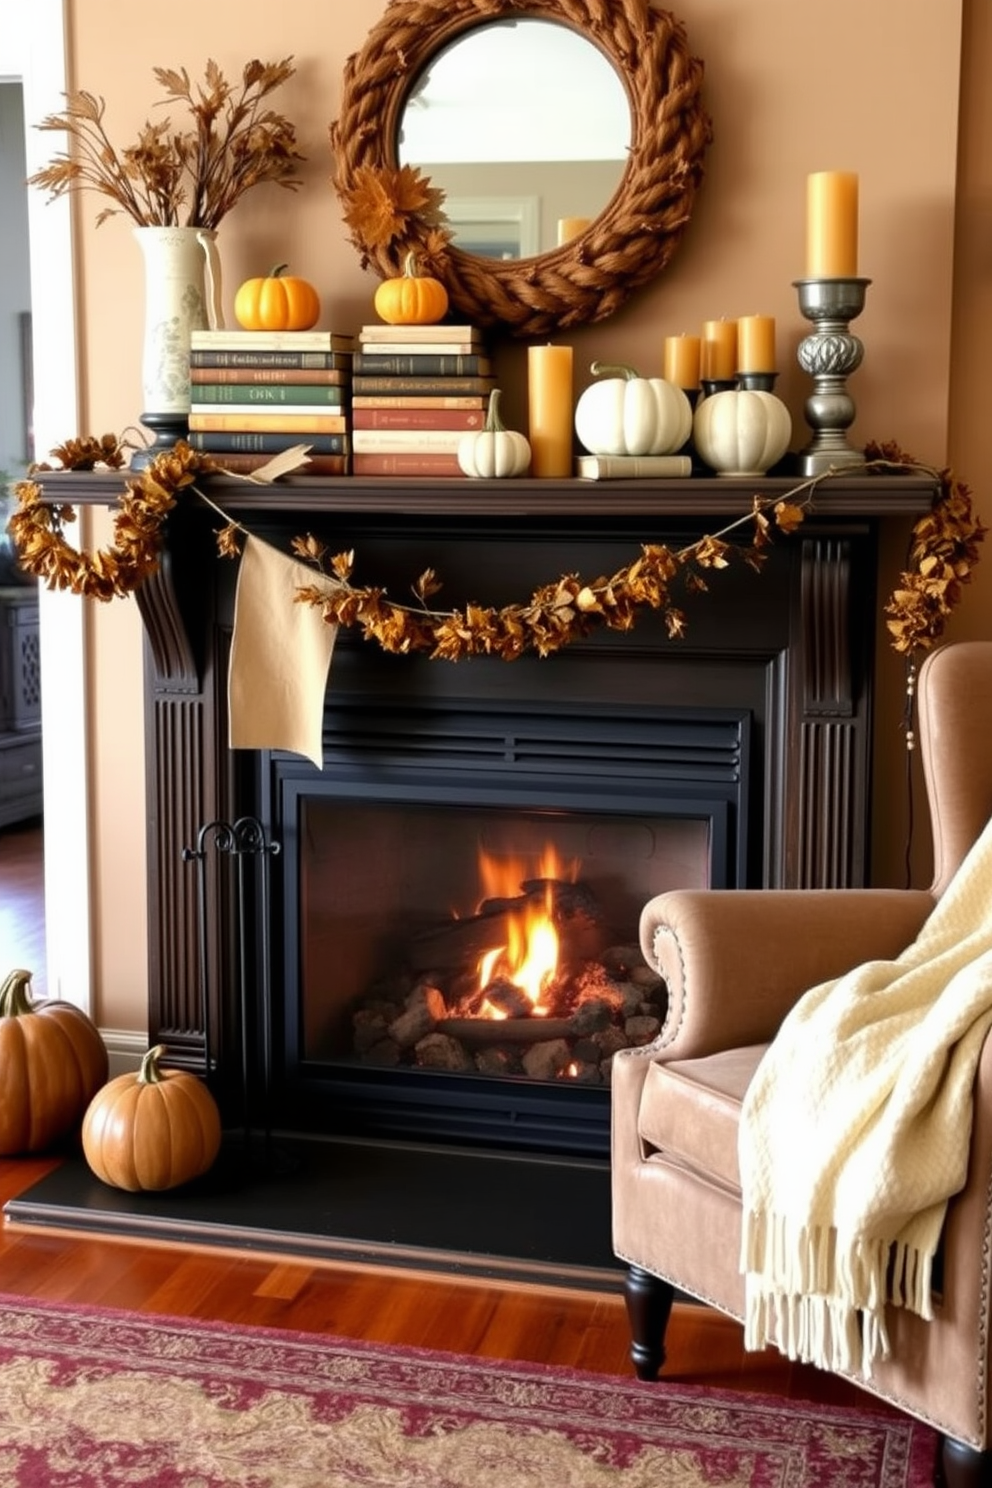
(735, 962)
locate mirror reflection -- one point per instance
(525, 125)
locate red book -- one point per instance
(418, 418)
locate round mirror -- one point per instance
(524, 179)
(499, 252)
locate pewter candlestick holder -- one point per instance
(830, 354)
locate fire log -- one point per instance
(478, 1032)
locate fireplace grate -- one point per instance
(655, 744)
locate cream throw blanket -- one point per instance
(855, 1133)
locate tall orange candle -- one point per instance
(549, 401)
(718, 351)
(756, 343)
(681, 361)
(832, 225)
(571, 227)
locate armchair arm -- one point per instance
(736, 960)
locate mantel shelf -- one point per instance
(837, 496)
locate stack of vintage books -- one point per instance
(254, 394)
(416, 391)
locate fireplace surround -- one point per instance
(753, 732)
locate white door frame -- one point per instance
(33, 52)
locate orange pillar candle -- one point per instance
(681, 361)
(832, 225)
(571, 227)
(549, 401)
(718, 351)
(756, 343)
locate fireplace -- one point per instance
(738, 757)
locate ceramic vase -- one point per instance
(182, 294)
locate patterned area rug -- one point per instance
(91, 1398)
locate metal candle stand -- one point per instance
(242, 843)
(830, 354)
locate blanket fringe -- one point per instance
(824, 1302)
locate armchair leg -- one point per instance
(649, 1304)
(962, 1466)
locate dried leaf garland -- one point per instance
(943, 552)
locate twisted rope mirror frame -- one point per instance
(633, 238)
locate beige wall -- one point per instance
(883, 101)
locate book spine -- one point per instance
(633, 467)
(421, 348)
(272, 360)
(270, 341)
(413, 364)
(411, 335)
(404, 440)
(420, 400)
(269, 423)
(426, 463)
(418, 418)
(250, 442)
(432, 385)
(245, 464)
(266, 376)
(265, 394)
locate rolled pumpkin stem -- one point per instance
(277, 270)
(600, 369)
(149, 1072)
(15, 998)
(410, 270)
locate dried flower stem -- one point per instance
(188, 178)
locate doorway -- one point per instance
(33, 57)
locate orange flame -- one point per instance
(530, 957)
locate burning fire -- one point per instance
(529, 959)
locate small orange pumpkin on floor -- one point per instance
(52, 1061)
(151, 1130)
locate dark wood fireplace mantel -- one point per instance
(807, 625)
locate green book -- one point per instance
(268, 394)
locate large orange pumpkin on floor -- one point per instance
(52, 1061)
(151, 1130)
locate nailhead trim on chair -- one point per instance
(668, 1032)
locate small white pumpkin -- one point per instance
(741, 433)
(630, 415)
(494, 452)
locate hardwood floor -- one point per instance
(583, 1330)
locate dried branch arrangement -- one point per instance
(179, 178)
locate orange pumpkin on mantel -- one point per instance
(151, 1130)
(279, 302)
(52, 1061)
(411, 298)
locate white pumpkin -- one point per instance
(741, 433)
(631, 415)
(494, 452)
